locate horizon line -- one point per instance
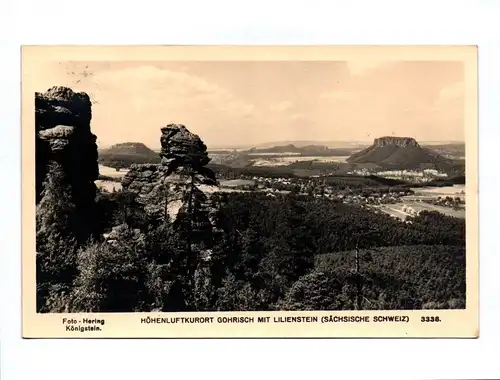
(276, 143)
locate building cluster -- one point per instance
(374, 200)
(414, 176)
(318, 189)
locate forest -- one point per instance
(286, 252)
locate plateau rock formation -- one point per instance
(64, 142)
(126, 154)
(400, 153)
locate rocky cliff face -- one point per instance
(401, 142)
(64, 140)
(147, 181)
(160, 194)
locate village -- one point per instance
(396, 201)
(412, 176)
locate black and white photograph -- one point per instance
(268, 184)
(167, 186)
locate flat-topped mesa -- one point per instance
(395, 141)
(63, 136)
(398, 153)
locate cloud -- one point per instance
(140, 100)
(282, 106)
(132, 103)
(338, 95)
(451, 93)
(298, 116)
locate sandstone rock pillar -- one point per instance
(64, 140)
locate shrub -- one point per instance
(315, 291)
(112, 275)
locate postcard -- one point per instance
(250, 192)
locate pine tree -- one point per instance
(187, 158)
(56, 238)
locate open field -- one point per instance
(440, 191)
(225, 149)
(394, 210)
(274, 154)
(283, 161)
(317, 158)
(269, 162)
(108, 185)
(235, 182)
(217, 189)
(111, 172)
(402, 210)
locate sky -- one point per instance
(253, 102)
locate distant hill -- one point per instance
(289, 148)
(400, 153)
(450, 150)
(125, 154)
(302, 143)
(306, 150)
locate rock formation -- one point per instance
(147, 181)
(161, 187)
(124, 154)
(181, 148)
(395, 141)
(398, 153)
(64, 140)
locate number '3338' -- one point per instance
(430, 319)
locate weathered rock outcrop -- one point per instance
(63, 137)
(161, 188)
(180, 145)
(158, 193)
(147, 181)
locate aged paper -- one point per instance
(229, 191)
